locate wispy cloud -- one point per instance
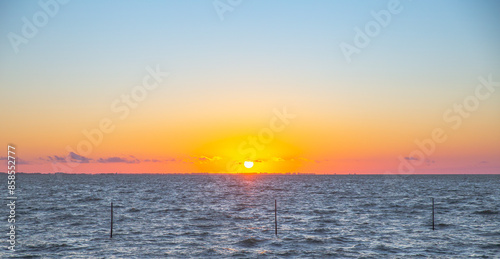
(78, 158)
(429, 162)
(293, 159)
(201, 159)
(115, 159)
(130, 159)
(55, 158)
(159, 160)
(309, 160)
(71, 157)
(18, 160)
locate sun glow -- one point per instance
(248, 164)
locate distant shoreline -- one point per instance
(285, 174)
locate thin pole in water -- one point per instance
(275, 218)
(111, 232)
(432, 213)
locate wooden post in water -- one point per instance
(111, 231)
(275, 218)
(432, 213)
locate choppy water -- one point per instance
(233, 215)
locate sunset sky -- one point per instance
(261, 81)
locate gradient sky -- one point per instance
(227, 78)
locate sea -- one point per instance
(254, 216)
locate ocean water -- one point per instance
(214, 216)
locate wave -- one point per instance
(491, 246)
(133, 210)
(314, 240)
(486, 212)
(89, 199)
(250, 242)
(48, 247)
(324, 212)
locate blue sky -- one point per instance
(437, 39)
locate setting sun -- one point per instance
(248, 164)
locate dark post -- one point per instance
(275, 218)
(432, 213)
(111, 232)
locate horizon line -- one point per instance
(252, 173)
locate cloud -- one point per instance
(277, 159)
(481, 163)
(130, 159)
(205, 158)
(429, 162)
(18, 160)
(116, 159)
(71, 157)
(201, 159)
(150, 160)
(56, 158)
(309, 160)
(280, 159)
(78, 158)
